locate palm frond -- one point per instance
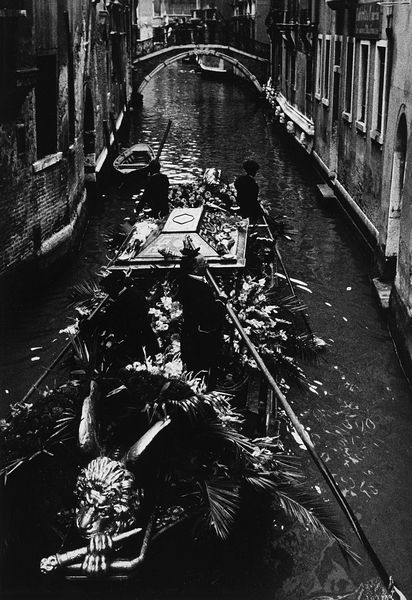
(80, 349)
(262, 482)
(285, 367)
(194, 408)
(62, 426)
(292, 304)
(312, 512)
(303, 346)
(85, 294)
(217, 433)
(86, 353)
(223, 503)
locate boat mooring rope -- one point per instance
(327, 475)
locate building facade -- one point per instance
(200, 21)
(341, 86)
(65, 82)
(395, 225)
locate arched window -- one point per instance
(397, 181)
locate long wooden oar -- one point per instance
(327, 475)
(265, 217)
(67, 347)
(162, 143)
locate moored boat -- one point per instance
(212, 70)
(134, 161)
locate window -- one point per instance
(319, 49)
(158, 34)
(350, 46)
(46, 106)
(280, 63)
(308, 85)
(157, 10)
(326, 71)
(363, 86)
(71, 101)
(379, 92)
(338, 51)
(292, 77)
(309, 76)
(21, 139)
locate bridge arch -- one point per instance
(197, 52)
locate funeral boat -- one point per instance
(156, 446)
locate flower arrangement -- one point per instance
(165, 313)
(141, 231)
(30, 429)
(271, 326)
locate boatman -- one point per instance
(125, 321)
(156, 192)
(247, 192)
(203, 317)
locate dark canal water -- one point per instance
(361, 418)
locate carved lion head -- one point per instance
(108, 498)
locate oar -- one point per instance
(162, 143)
(265, 217)
(67, 347)
(326, 474)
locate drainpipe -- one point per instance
(390, 36)
(385, 266)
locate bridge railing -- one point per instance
(195, 36)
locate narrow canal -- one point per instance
(361, 416)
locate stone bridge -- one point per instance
(250, 66)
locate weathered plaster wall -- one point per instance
(43, 199)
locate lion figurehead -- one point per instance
(108, 498)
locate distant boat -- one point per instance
(134, 161)
(212, 70)
(189, 60)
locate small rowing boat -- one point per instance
(210, 70)
(134, 161)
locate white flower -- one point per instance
(4, 424)
(136, 366)
(71, 329)
(167, 302)
(173, 368)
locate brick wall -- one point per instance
(38, 198)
